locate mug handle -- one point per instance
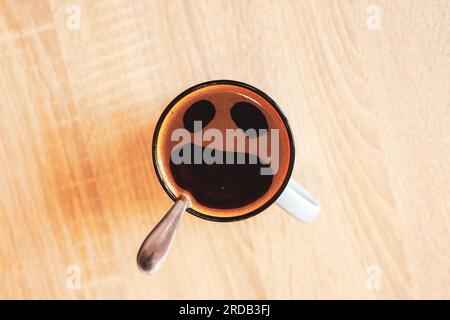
(296, 201)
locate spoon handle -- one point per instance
(156, 245)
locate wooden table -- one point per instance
(365, 86)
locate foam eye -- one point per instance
(202, 110)
(247, 116)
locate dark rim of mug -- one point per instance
(239, 84)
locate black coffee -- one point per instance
(223, 190)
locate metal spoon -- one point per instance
(156, 245)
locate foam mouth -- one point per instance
(220, 185)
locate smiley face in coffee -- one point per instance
(226, 146)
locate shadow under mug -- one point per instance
(291, 196)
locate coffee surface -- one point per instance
(223, 189)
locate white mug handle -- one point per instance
(296, 201)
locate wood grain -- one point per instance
(370, 111)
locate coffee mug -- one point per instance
(223, 151)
